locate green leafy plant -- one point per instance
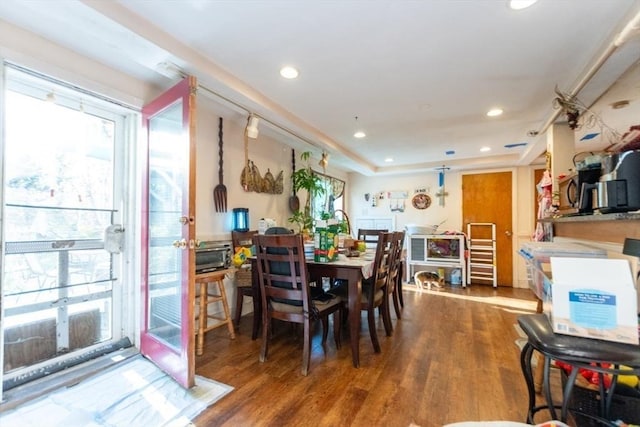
(305, 179)
(343, 224)
(304, 222)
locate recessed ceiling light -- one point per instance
(485, 149)
(388, 160)
(494, 112)
(288, 72)
(359, 134)
(521, 4)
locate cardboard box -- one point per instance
(326, 241)
(594, 298)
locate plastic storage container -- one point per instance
(537, 256)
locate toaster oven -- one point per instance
(212, 256)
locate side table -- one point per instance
(579, 353)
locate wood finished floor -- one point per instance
(452, 357)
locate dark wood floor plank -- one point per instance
(451, 358)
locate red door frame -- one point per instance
(178, 364)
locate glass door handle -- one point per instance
(180, 244)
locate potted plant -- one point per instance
(305, 179)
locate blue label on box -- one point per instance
(592, 309)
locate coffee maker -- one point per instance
(618, 189)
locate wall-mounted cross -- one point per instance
(441, 194)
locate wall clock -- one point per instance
(421, 201)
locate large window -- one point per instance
(331, 199)
(62, 189)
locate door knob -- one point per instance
(180, 244)
(508, 233)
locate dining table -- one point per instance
(353, 270)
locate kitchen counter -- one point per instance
(595, 217)
(611, 227)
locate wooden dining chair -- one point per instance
(401, 262)
(286, 293)
(370, 236)
(375, 287)
(395, 276)
(242, 281)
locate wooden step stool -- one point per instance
(208, 295)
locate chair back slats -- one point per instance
(242, 238)
(277, 257)
(398, 242)
(243, 277)
(375, 287)
(382, 261)
(370, 235)
(285, 293)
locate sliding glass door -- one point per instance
(63, 161)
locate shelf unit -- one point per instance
(482, 253)
(436, 250)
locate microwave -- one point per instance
(571, 197)
(212, 256)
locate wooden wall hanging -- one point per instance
(252, 180)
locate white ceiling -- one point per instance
(419, 75)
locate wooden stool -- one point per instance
(208, 295)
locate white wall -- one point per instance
(450, 213)
(266, 152)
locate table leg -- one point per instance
(257, 302)
(355, 295)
